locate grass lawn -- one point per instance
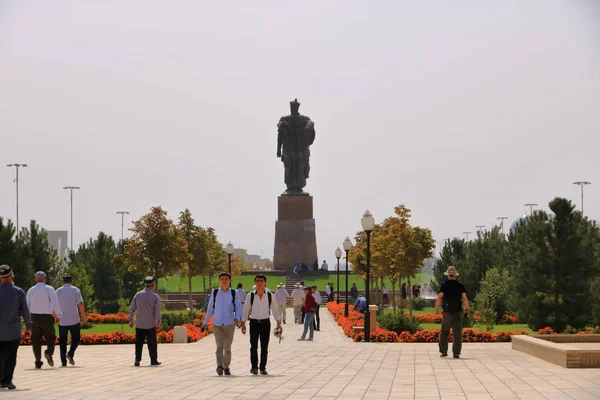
(177, 284)
(497, 328)
(426, 310)
(105, 328)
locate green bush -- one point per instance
(86, 325)
(171, 320)
(398, 323)
(420, 303)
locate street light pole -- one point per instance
(530, 205)
(479, 227)
(368, 224)
(17, 166)
(347, 247)
(122, 221)
(229, 250)
(582, 184)
(71, 188)
(502, 223)
(338, 254)
(467, 235)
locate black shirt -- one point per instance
(453, 291)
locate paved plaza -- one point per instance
(331, 367)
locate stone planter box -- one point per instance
(568, 351)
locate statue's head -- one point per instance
(294, 107)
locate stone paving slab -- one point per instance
(331, 367)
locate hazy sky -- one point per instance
(463, 111)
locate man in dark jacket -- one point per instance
(453, 298)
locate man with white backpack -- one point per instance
(226, 309)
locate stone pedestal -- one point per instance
(295, 234)
(179, 334)
(373, 317)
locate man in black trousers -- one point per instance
(146, 308)
(14, 306)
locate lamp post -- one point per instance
(122, 221)
(71, 188)
(347, 247)
(229, 250)
(479, 227)
(338, 254)
(467, 235)
(530, 205)
(17, 166)
(502, 223)
(368, 224)
(581, 184)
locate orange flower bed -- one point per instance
(424, 336)
(122, 317)
(193, 335)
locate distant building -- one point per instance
(59, 240)
(250, 259)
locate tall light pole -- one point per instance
(347, 247)
(338, 254)
(122, 221)
(531, 205)
(582, 184)
(479, 227)
(466, 235)
(368, 224)
(17, 166)
(502, 223)
(229, 250)
(71, 188)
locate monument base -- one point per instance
(295, 233)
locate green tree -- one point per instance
(36, 253)
(553, 258)
(492, 301)
(12, 253)
(96, 259)
(156, 247)
(452, 253)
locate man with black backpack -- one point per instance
(258, 307)
(226, 309)
(453, 298)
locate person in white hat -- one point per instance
(297, 301)
(281, 296)
(453, 299)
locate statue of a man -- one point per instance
(295, 133)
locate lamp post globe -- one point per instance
(229, 250)
(368, 224)
(338, 254)
(347, 247)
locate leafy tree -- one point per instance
(595, 291)
(452, 253)
(156, 247)
(81, 279)
(553, 258)
(493, 299)
(196, 256)
(96, 259)
(11, 253)
(36, 253)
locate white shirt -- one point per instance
(328, 289)
(281, 296)
(325, 266)
(298, 297)
(260, 307)
(384, 290)
(41, 299)
(241, 293)
(317, 297)
(69, 298)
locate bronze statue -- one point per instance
(295, 133)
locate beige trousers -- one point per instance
(224, 337)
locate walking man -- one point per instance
(354, 291)
(281, 296)
(309, 308)
(73, 314)
(317, 318)
(13, 308)
(455, 305)
(44, 308)
(328, 292)
(226, 309)
(144, 313)
(241, 293)
(298, 303)
(258, 308)
(385, 293)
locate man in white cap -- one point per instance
(281, 296)
(13, 307)
(297, 301)
(453, 298)
(144, 312)
(45, 310)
